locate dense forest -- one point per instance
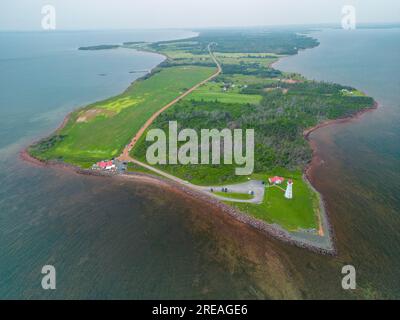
(288, 103)
(251, 69)
(279, 120)
(249, 41)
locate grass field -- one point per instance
(101, 130)
(353, 93)
(241, 79)
(202, 175)
(132, 167)
(213, 91)
(264, 59)
(297, 213)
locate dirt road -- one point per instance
(125, 154)
(254, 186)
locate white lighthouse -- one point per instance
(289, 190)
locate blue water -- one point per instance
(43, 75)
(107, 239)
(360, 175)
(368, 60)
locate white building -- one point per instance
(289, 190)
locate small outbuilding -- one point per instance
(276, 180)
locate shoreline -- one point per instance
(273, 231)
(298, 239)
(355, 116)
(315, 160)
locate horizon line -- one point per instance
(307, 25)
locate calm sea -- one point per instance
(360, 173)
(120, 239)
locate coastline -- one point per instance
(271, 230)
(315, 160)
(298, 239)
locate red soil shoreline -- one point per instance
(267, 229)
(271, 231)
(315, 160)
(24, 154)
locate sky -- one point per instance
(149, 14)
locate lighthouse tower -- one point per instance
(289, 190)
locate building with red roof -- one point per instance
(105, 165)
(276, 180)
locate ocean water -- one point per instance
(113, 238)
(360, 172)
(107, 239)
(44, 76)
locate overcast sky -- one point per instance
(131, 14)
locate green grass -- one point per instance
(118, 104)
(203, 175)
(264, 59)
(352, 93)
(185, 55)
(241, 79)
(133, 167)
(234, 195)
(105, 135)
(214, 92)
(292, 214)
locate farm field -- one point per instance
(264, 59)
(213, 91)
(101, 130)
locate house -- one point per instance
(276, 180)
(105, 165)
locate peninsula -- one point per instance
(219, 79)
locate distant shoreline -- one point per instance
(100, 47)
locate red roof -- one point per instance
(104, 164)
(276, 179)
